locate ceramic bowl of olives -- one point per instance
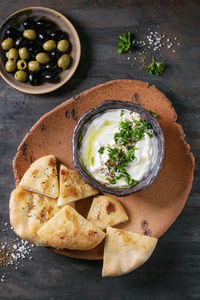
(40, 50)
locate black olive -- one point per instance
(34, 47)
(51, 77)
(32, 57)
(55, 54)
(45, 24)
(43, 36)
(12, 33)
(29, 23)
(20, 42)
(35, 78)
(50, 66)
(58, 35)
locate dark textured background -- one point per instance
(173, 272)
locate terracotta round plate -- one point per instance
(152, 211)
(63, 24)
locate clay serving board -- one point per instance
(152, 211)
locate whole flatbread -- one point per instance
(106, 211)
(124, 251)
(41, 177)
(73, 187)
(29, 212)
(68, 229)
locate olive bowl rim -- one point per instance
(25, 87)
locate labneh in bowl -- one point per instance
(81, 129)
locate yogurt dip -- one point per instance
(118, 148)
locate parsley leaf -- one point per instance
(101, 150)
(113, 181)
(155, 115)
(121, 113)
(124, 42)
(155, 67)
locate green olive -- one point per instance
(24, 53)
(42, 58)
(30, 34)
(63, 45)
(49, 45)
(21, 64)
(7, 44)
(21, 76)
(13, 54)
(64, 61)
(33, 66)
(10, 66)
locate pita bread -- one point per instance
(124, 251)
(41, 177)
(106, 211)
(68, 229)
(73, 187)
(29, 212)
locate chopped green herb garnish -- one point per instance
(124, 42)
(155, 115)
(92, 160)
(155, 67)
(113, 181)
(129, 134)
(121, 113)
(101, 150)
(124, 151)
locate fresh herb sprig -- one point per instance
(155, 67)
(124, 42)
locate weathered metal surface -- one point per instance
(174, 269)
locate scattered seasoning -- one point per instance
(12, 251)
(142, 59)
(147, 41)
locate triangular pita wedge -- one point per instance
(106, 211)
(42, 177)
(29, 212)
(68, 229)
(124, 251)
(73, 187)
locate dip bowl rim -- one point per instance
(117, 104)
